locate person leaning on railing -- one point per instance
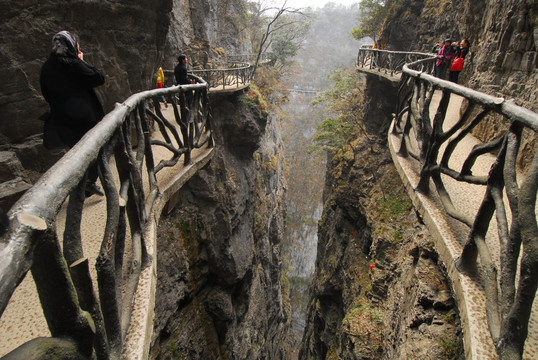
(180, 71)
(67, 83)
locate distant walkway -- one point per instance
(429, 142)
(220, 80)
(304, 91)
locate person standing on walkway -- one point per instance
(444, 59)
(180, 71)
(67, 84)
(457, 65)
(160, 84)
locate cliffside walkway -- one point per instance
(461, 187)
(97, 287)
(235, 76)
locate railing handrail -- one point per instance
(508, 300)
(237, 76)
(507, 108)
(50, 186)
(388, 60)
(249, 57)
(428, 55)
(240, 66)
(32, 217)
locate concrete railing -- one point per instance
(391, 62)
(87, 320)
(235, 76)
(249, 58)
(503, 270)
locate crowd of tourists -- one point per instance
(450, 56)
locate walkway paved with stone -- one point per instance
(449, 235)
(23, 318)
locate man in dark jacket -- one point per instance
(67, 83)
(180, 71)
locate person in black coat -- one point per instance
(180, 71)
(67, 84)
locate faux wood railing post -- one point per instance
(430, 149)
(72, 239)
(184, 111)
(58, 295)
(80, 273)
(109, 284)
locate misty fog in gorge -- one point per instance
(328, 46)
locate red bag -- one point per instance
(457, 64)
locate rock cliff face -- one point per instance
(220, 294)
(379, 291)
(127, 40)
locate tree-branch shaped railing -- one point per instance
(391, 62)
(124, 139)
(510, 282)
(249, 58)
(234, 75)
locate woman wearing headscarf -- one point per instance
(67, 84)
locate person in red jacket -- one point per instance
(461, 51)
(67, 84)
(444, 59)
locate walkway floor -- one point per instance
(449, 236)
(23, 318)
(231, 87)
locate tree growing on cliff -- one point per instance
(373, 13)
(286, 43)
(282, 28)
(343, 106)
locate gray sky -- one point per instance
(315, 3)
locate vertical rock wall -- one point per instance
(204, 29)
(378, 291)
(220, 293)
